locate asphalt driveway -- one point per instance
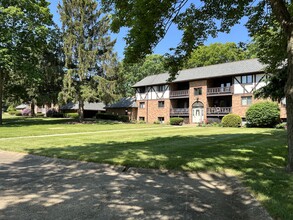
(34, 187)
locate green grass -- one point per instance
(256, 155)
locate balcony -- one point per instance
(216, 91)
(179, 94)
(179, 112)
(218, 111)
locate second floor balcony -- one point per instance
(218, 111)
(179, 94)
(216, 91)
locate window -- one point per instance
(246, 79)
(161, 119)
(141, 118)
(198, 91)
(161, 104)
(161, 88)
(246, 100)
(141, 89)
(141, 104)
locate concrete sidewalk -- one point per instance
(34, 187)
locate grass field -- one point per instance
(256, 155)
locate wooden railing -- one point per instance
(179, 93)
(220, 90)
(179, 111)
(218, 110)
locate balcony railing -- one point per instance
(179, 111)
(220, 91)
(218, 110)
(179, 93)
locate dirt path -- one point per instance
(34, 187)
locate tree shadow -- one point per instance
(34, 187)
(28, 121)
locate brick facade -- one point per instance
(130, 112)
(151, 112)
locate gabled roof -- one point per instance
(212, 71)
(128, 102)
(22, 106)
(94, 106)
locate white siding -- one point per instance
(153, 93)
(248, 88)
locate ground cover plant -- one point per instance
(256, 155)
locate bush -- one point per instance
(52, 113)
(18, 113)
(281, 125)
(11, 108)
(13, 112)
(263, 114)
(123, 118)
(73, 115)
(176, 121)
(231, 120)
(26, 112)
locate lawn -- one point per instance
(256, 155)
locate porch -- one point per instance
(179, 112)
(218, 111)
(179, 94)
(222, 91)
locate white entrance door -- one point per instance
(197, 115)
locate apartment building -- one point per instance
(201, 94)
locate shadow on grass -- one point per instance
(260, 159)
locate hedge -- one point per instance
(123, 118)
(231, 120)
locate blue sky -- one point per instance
(238, 34)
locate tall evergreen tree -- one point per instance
(89, 58)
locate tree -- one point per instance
(89, 59)
(149, 20)
(23, 27)
(216, 53)
(128, 74)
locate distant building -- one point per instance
(201, 94)
(90, 108)
(125, 106)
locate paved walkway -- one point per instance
(33, 187)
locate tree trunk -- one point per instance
(81, 110)
(289, 103)
(33, 113)
(1, 94)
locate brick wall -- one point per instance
(131, 112)
(151, 112)
(201, 98)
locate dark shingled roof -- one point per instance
(128, 102)
(218, 70)
(93, 106)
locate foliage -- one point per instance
(53, 113)
(24, 26)
(18, 113)
(105, 116)
(282, 125)
(11, 108)
(231, 120)
(129, 74)
(263, 114)
(176, 121)
(71, 115)
(216, 53)
(26, 112)
(89, 59)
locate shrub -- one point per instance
(263, 114)
(14, 112)
(281, 125)
(11, 108)
(231, 120)
(72, 115)
(157, 122)
(176, 121)
(26, 112)
(123, 118)
(18, 113)
(52, 113)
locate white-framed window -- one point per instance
(161, 104)
(246, 100)
(141, 89)
(161, 120)
(247, 79)
(161, 88)
(142, 105)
